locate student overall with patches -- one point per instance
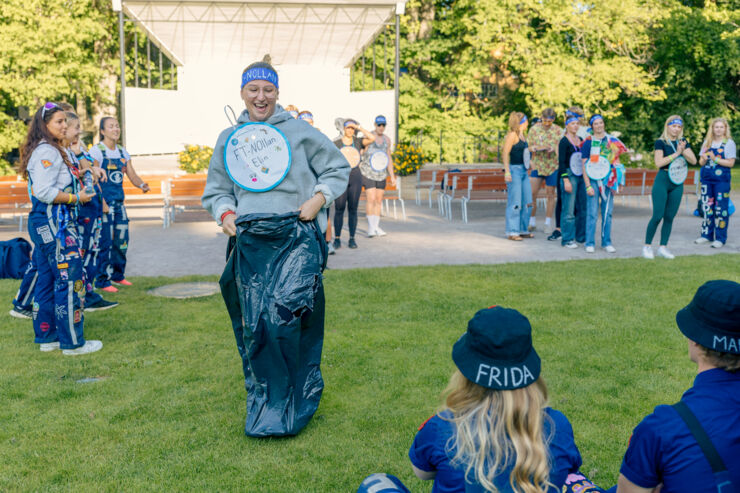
(718, 153)
(56, 190)
(602, 175)
(375, 167)
(270, 182)
(473, 444)
(116, 161)
(694, 445)
(672, 155)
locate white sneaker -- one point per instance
(610, 249)
(647, 252)
(663, 252)
(45, 347)
(372, 234)
(88, 347)
(380, 232)
(590, 249)
(571, 244)
(717, 244)
(701, 240)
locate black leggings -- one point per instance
(666, 201)
(349, 199)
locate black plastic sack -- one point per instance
(15, 255)
(273, 289)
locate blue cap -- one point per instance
(382, 483)
(380, 120)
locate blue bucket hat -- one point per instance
(712, 319)
(496, 351)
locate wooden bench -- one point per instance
(458, 184)
(484, 187)
(14, 200)
(184, 192)
(135, 197)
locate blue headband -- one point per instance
(349, 122)
(676, 121)
(571, 120)
(571, 113)
(594, 118)
(305, 116)
(523, 120)
(293, 113)
(260, 73)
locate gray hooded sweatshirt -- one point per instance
(316, 166)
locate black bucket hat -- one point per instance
(496, 352)
(712, 319)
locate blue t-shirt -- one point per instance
(663, 450)
(429, 453)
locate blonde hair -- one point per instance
(291, 107)
(578, 110)
(664, 135)
(497, 429)
(710, 133)
(514, 119)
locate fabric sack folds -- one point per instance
(273, 289)
(15, 255)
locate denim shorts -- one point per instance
(551, 180)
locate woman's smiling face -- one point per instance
(260, 97)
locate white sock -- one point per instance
(376, 222)
(547, 221)
(370, 227)
(532, 221)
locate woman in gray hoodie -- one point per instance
(271, 199)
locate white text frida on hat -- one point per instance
(512, 376)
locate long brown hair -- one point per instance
(38, 131)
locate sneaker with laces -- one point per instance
(610, 249)
(571, 244)
(101, 305)
(590, 249)
(110, 289)
(352, 243)
(88, 347)
(337, 243)
(717, 244)
(372, 234)
(380, 232)
(331, 249)
(45, 347)
(123, 282)
(555, 235)
(647, 252)
(701, 240)
(21, 313)
(663, 252)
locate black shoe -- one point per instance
(337, 243)
(101, 305)
(554, 236)
(352, 243)
(21, 313)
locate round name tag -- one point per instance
(379, 161)
(352, 155)
(678, 170)
(576, 164)
(526, 157)
(257, 156)
(598, 170)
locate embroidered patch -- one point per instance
(45, 163)
(79, 286)
(78, 316)
(69, 241)
(722, 225)
(64, 275)
(45, 233)
(44, 326)
(63, 266)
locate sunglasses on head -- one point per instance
(48, 107)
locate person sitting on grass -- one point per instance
(666, 450)
(496, 431)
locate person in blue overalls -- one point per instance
(89, 216)
(497, 385)
(117, 162)
(663, 450)
(718, 153)
(55, 186)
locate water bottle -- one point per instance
(87, 180)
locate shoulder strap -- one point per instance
(722, 477)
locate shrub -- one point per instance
(195, 158)
(407, 159)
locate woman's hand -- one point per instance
(229, 225)
(84, 197)
(681, 146)
(567, 186)
(590, 191)
(507, 177)
(144, 187)
(99, 173)
(310, 208)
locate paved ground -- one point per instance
(195, 245)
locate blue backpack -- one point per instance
(15, 255)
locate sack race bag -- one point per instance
(15, 255)
(273, 289)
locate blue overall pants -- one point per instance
(715, 200)
(114, 235)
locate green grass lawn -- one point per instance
(169, 414)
